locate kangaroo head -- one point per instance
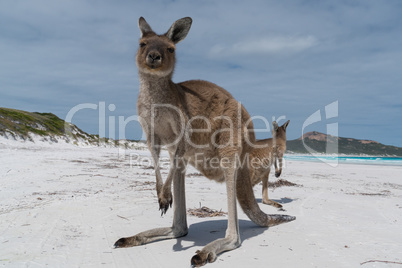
(156, 53)
(279, 135)
(279, 132)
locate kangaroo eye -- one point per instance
(142, 44)
(170, 49)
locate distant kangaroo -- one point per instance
(201, 124)
(263, 157)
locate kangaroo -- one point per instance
(200, 124)
(263, 157)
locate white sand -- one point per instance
(65, 206)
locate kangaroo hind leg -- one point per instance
(179, 227)
(232, 239)
(265, 199)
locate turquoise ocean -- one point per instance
(364, 160)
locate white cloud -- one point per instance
(266, 45)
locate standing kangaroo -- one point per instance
(199, 123)
(263, 157)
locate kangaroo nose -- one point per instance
(154, 57)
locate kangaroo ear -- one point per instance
(286, 125)
(144, 27)
(275, 125)
(179, 30)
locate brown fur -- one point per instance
(199, 123)
(268, 152)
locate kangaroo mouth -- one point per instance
(153, 66)
(155, 69)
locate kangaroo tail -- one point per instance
(246, 198)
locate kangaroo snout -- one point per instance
(154, 59)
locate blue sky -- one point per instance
(281, 59)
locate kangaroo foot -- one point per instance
(202, 258)
(128, 242)
(279, 219)
(165, 201)
(271, 203)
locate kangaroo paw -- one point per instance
(165, 201)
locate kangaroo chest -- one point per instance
(160, 114)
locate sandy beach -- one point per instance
(65, 206)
